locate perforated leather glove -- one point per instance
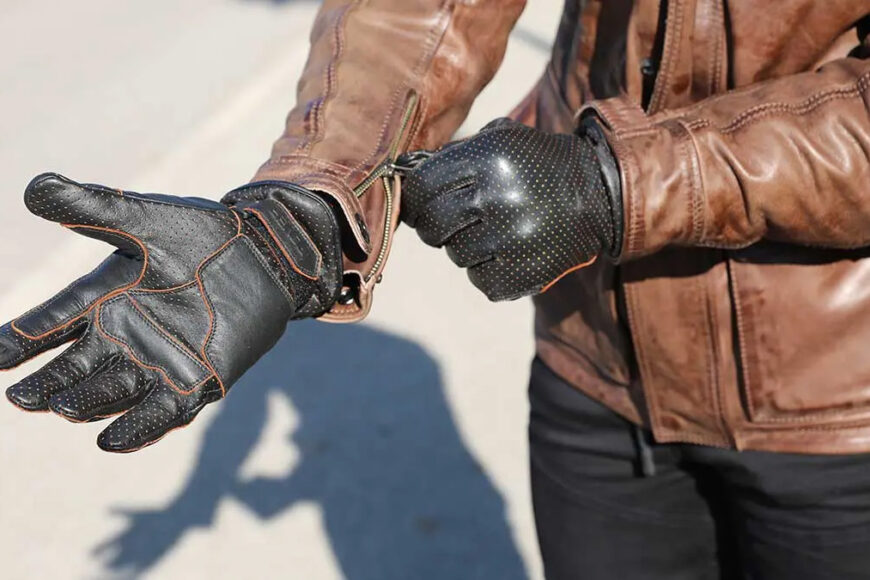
(196, 292)
(518, 207)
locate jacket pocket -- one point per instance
(803, 329)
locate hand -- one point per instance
(518, 207)
(196, 292)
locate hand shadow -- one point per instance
(401, 495)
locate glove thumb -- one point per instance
(91, 210)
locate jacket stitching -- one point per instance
(669, 57)
(713, 359)
(313, 135)
(696, 185)
(367, 161)
(741, 339)
(668, 435)
(808, 105)
(635, 211)
(435, 33)
(719, 48)
(423, 113)
(634, 322)
(809, 417)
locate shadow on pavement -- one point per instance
(378, 451)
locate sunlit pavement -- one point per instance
(389, 450)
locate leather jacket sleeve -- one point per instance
(382, 77)
(786, 160)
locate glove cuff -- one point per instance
(302, 234)
(590, 131)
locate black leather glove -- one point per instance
(518, 207)
(195, 294)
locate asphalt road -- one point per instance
(394, 449)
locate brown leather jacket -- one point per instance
(739, 314)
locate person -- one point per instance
(684, 192)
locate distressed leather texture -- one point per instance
(382, 77)
(737, 315)
(196, 292)
(517, 207)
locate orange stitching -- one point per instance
(281, 246)
(272, 253)
(139, 362)
(161, 290)
(210, 312)
(30, 356)
(102, 299)
(307, 237)
(159, 327)
(568, 271)
(238, 222)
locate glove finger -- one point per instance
(124, 219)
(448, 214)
(59, 199)
(112, 390)
(446, 171)
(17, 348)
(496, 280)
(162, 410)
(90, 210)
(61, 318)
(75, 364)
(471, 247)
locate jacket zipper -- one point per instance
(386, 171)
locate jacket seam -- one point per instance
(634, 323)
(697, 193)
(715, 54)
(330, 81)
(635, 230)
(713, 324)
(431, 48)
(845, 425)
(808, 105)
(673, 39)
(742, 343)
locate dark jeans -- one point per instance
(697, 513)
